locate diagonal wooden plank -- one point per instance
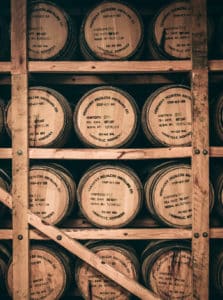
(82, 252)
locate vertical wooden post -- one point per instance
(200, 156)
(20, 160)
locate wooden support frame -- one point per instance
(200, 155)
(20, 160)
(20, 151)
(82, 252)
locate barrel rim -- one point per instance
(154, 254)
(126, 170)
(2, 109)
(154, 45)
(57, 255)
(129, 253)
(129, 139)
(218, 108)
(65, 130)
(91, 53)
(149, 133)
(160, 174)
(54, 171)
(72, 32)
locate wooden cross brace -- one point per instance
(83, 253)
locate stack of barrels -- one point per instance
(111, 195)
(111, 30)
(107, 117)
(166, 268)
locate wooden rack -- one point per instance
(20, 70)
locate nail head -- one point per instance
(196, 235)
(59, 237)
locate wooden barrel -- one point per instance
(112, 31)
(5, 255)
(52, 192)
(217, 115)
(93, 285)
(217, 175)
(51, 32)
(166, 116)
(50, 273)
(1, 116)
(109, 196)
(217, 269)
(50, 118)
(168, 194)
(170, 31)
(167, 269)
(106, 117)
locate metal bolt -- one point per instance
(59, 237)
(197, 151)
(20, 237)
(19, 152)
(205, 152)
(205, 234)
(196, 235)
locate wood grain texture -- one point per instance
(134, 153)
(216, 151)
(113, 234)
(106, 117)
(83, 253)
(122, 234)
(166, 116)
(215, 65)
(109, 196)
(92, 67)
(5, 67)
(200, 157)
(166, 42)
(100, 39)
(20, 151)
(117, 154)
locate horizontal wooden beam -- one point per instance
(121, 234)
(5, 67)
(108, 67)
(216, 151)
(215, 65)
(112, 234)
(95, 67)
(134, 153)
(117, 154)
